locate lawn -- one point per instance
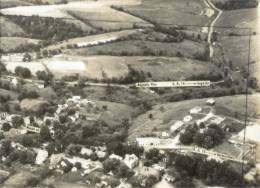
(10, 43)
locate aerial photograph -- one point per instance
(129, 94)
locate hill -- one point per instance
(165, 115)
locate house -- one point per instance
(41, 156)
(177, 125)
(3, 115)
(117, 157)
(146, 171)
(195, 110)
(86, 151)
(131, 160)
(217, 120)
(73, 100)
(148, 141)
(14, 82)
(211, 102)
(55, 159)
(101, 154)
(27, 120)
(165, 135)
(187, 118)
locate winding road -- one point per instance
(212, 25)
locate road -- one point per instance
(212, 25)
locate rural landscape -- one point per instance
(129, 93)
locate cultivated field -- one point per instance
(77, 12)
(101, 67)
(174, 12)
(11, 43)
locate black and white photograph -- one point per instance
(129, 94)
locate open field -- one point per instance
(10, 28)
(98, 10)
(163, 119)
(10, 43)
(13, 3)
(123, 111)
(33, 66)
(101, 67)
(140, 48)
(32, 104)
(174, 12)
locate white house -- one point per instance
(55, 159)
(187, 118)
(42, 155)
(73, 100)
(86, 151)
(101, 154)
(131, 160)
(14, 82)
(117, 157)
(195, 110)
(148, 141)
(210, 101)
(176, 126)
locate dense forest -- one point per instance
(49, 29)
(236, 4)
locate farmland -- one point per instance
(101, 67)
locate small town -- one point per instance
(129, 94)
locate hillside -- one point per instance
(165, 115)
(10, 28)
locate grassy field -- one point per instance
(173, 12)
(32, 104)
(101, 67)
(139, 48)
(163, 119)
(11, 43)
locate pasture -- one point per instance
(11, 43)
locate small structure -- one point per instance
(176, 126)
(148, 141)
(55, 159)
(195, 110)
(42, 155)
(187, 118)
(211, 102)
(117, 157)
(131, 160)
(86, 151)
(73, 100)
(101, 154)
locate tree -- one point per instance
(23, 72)
(17, 121)
(27, 57)
(6, 127)
(45, 134)
(6, 147)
